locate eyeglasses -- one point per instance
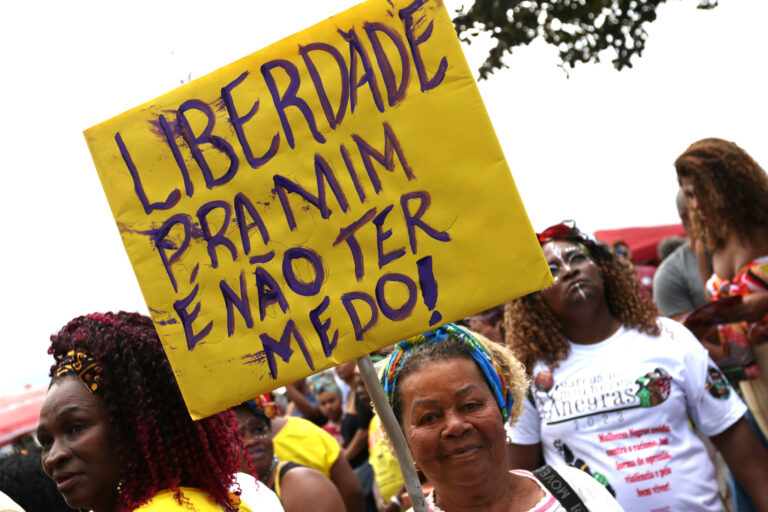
(255, 428)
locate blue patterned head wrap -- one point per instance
(489, 368)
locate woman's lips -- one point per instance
(464, 452)
(66, 482)
(257, 453)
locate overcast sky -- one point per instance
(597, 147)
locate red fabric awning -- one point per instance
(643, 241)
(19, 413)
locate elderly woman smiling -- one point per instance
(452, 391)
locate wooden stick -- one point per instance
(396, 437)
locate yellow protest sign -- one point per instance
(328, 195)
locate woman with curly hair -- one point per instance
(727, 195)
(115, 433)
(613, 386)
(453, 391)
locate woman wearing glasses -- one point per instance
(297, 486)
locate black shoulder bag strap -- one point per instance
(559, 488)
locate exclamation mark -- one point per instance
(428, 287)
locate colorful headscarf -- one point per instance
(480, 354)
(82, 365)
(323, 382)
(263, 406)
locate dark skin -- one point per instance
(341, 475)
(747, 460)
(298, 486)
(297, 393)
(78, 447)
(729, 259)
(738, 444)
(455, 433)
(305, 485)
(583, 314)
(359, 441)
(578, 295)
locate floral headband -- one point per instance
(568, 231)
(82, 365)
(480, 354)
(562, 231)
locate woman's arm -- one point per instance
(524, 456)
(301, 487)
(752, 308)
(307, 408)
(747, 459)
(348, 485)
(358, 443)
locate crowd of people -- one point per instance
(619, 387)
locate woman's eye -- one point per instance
(76, 428)
(553, 269)
(577, 256)
(427, 418)
(45, 441)
(471, 406)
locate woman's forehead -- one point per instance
(558, 248)
(67, 393)
(431, 377)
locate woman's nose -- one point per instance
(569, 271)
(55, 456)
(455, 424)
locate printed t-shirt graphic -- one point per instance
(617, 409)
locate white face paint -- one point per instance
(564, 259)
(581, 291)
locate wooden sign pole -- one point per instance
(396, 437)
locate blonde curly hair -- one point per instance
(534, 333)
(731, 186)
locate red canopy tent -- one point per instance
(20, 412)
(643, 241)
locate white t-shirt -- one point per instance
(592, 494)
(617, 409)
(256, 495)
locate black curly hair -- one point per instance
(23, 480)
(158, 445)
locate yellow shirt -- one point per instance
(384, 463)
(199, 501)
(305, 443)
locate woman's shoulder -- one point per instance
(676, 331)
(194, 500)
(301, 485)
(592, 493)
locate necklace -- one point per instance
(268, 474)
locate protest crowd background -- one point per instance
(319, 440)
(637, 380)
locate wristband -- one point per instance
(397, 501)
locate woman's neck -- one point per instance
(588, 328)
(500, 494)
